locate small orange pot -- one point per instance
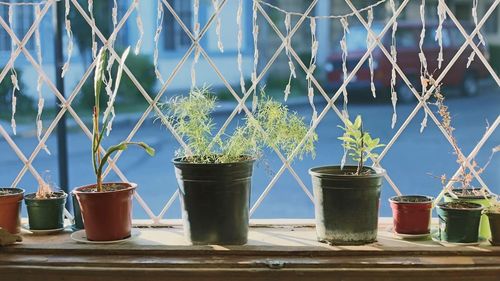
(10, 208)
(107, 216)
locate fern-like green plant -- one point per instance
(98, 132)
(273, 126)
(358, 143)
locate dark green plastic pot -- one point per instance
(46, 214)
(494, 219)
(346, 205)
(77, 213)
(473, 197)
(459, 224)
(215, 201)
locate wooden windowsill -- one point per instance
(277, 252)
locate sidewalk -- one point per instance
(223, 108)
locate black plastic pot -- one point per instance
(77, 213)
(494, 219)
(46, 214)
(459, 221)
(473, 195)
(215, 201)
(346, 205)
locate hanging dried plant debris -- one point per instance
(312, 67)
(441, 11)
(255, 34)
(423, 63)
(159, 27)
(69, 35)
(370, 41)
(140, 28)
(240, 44)
(343, 47)
(13, 76)
(394, 55)
(218, 26)
(92, 18)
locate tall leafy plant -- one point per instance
(98, 132)
(273, 126)
(358, 143)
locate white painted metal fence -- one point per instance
(197, 49)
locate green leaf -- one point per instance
(346, 139)
(99, 73)
(357, 122)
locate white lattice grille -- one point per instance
(196, 48)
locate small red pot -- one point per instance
(10, 207)
(107, 216)
(411, 214)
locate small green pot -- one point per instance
(484, 225)
(494, 220)
(46, 214)
(346, 205)
(459, 221)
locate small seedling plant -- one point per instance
(466, 175)
(98, 132)
(358, 143)
(274, 126)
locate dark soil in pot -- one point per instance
(494, 220)
(10, 207)
(46, 213)
(215, 201)
(346, 205)
(107, 215)
(411, 214)
(459, 221)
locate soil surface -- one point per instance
(459, 205)
(51, 195)
(106, 188)
(8, 191)
(411, 199)
(470, 193)
(211, 159)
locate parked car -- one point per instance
(407, 42)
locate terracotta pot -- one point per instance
(10, 207)
(107, 216)
(411, 214)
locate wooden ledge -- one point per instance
(281, 252)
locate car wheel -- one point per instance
(470, 87)
(405, 95)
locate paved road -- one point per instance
(408, 163)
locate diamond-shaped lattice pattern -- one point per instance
(195, 49)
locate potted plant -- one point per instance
(106, 207)
(493, 213)
(346, 198)
(10, 208)
(460, 213)
(45, 208)
(411, 215)
(214, 171)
